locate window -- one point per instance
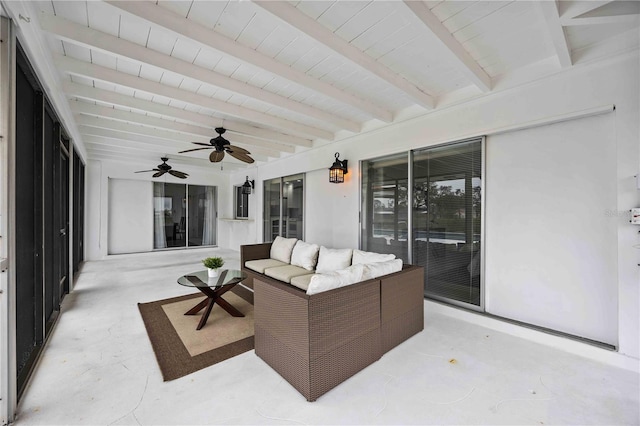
(283, 209)
(241, 204)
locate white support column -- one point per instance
(8, 375)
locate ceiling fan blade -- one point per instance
(241, 156)
(178, 174)
(144, 171)
(216, 156)
(160, 173)
(195, 149)
(234, 148)
(202, 143)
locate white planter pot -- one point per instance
(212, 272)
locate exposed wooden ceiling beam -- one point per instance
(213, 40)
(235, 127)
(151, 160)
(290, 15)
(457, 54)
(601, 20)
(133, 138)
(571, 9)
(178, 138)
(549, 10)
(108, 143)
(174, 126)
(92, 39)
(96, 72)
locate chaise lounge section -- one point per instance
(316, 341)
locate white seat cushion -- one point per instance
(261, 264)
(378, 269)
(305, 255)
(340, 278)
(281, 249)
(330, 260)
(302, 281)
(285, 273)
(360, 256)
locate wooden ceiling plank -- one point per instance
(119, 143)
(99, 126)
(571, 9)
(188, 129)
(87, 37)
(96, 72)
(297, 19)
(549, 10)
(457, 53)
(214, 40)
(601, 20)
(107, 96)
(136, 157)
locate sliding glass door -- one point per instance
(178, 223)
(283, 208)
(444, 230)
(447, 218)
(384, 205)
(202, 215)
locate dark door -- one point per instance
(29, 220)
(62, 204)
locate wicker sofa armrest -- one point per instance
(402, 305)
(254, 252)
(316, 342)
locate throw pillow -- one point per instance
(335, 279)
(360, 256)
(281, 249)
(305, 255)
(330, 260)
(378, 269)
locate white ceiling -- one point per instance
(144, 79)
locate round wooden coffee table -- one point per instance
(213, 288)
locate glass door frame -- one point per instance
(281, 180)
(410, 195)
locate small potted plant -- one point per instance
(212, 264)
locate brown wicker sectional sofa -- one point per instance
(317, 341)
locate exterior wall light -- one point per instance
(247, 186)
(338, 170)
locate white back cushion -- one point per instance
(281, 249)
(360, 256)
(378, 269)
(335, 279)
(330, 260)
(305, 255)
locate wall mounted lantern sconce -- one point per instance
(338, 170)
(247, 186)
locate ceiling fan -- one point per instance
(164, 168)
(220, 146)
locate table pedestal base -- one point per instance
(213, 297)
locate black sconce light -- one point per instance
(247, 186)
(338, 170)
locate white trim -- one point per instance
(575, 347)
(549, 10)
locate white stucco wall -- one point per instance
(333, 210)
(98, 174)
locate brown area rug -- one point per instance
(181, 349)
